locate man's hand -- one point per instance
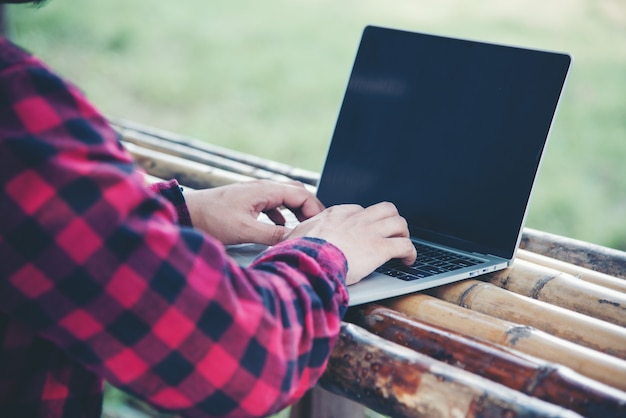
(230, 213)
(368, 237)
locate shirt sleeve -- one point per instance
(173, 192)
(107, 270)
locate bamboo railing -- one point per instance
(545, 337)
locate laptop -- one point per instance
(452, 131)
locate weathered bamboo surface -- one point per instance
(594, 364)
(580, 253)
(550, 382)
(404, 382)
(188, 173)
(579, 272)
(211, 155)
(562, 289)
(216, 162)
(499, 303)
(545, 337)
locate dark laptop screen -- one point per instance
(449, 130)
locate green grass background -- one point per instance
(268, 78)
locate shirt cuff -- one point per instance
(328, 279)
(173, 192)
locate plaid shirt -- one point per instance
(102, 278)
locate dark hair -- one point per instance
(34, 2)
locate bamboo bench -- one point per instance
(546, 337)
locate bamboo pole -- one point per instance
(580, 253)
(320, 403)
(188, 173)
(582, 273)
(550, 382)
(400, 382)
(304, 176)
(199, 156)
(499, 303)
(561, 289)
(591, 363)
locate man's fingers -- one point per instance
(382, 210)
(294, 196)
(275, 216)
(395, 226)
(267, 234)
(303, 205)
(404, 250)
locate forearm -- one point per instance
(175, 309)
(306, 339)
(151, 305)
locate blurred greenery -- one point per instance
(268, 78)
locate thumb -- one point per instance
(268, 234)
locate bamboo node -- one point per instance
(467, 294)
(519, 332)
(609, 302)
(538, 287)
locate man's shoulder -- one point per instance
(11, 54)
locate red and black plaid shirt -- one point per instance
(104, 279)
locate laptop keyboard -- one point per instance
(430, 261)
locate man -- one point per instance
(102, 278)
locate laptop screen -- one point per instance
(451, 131)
